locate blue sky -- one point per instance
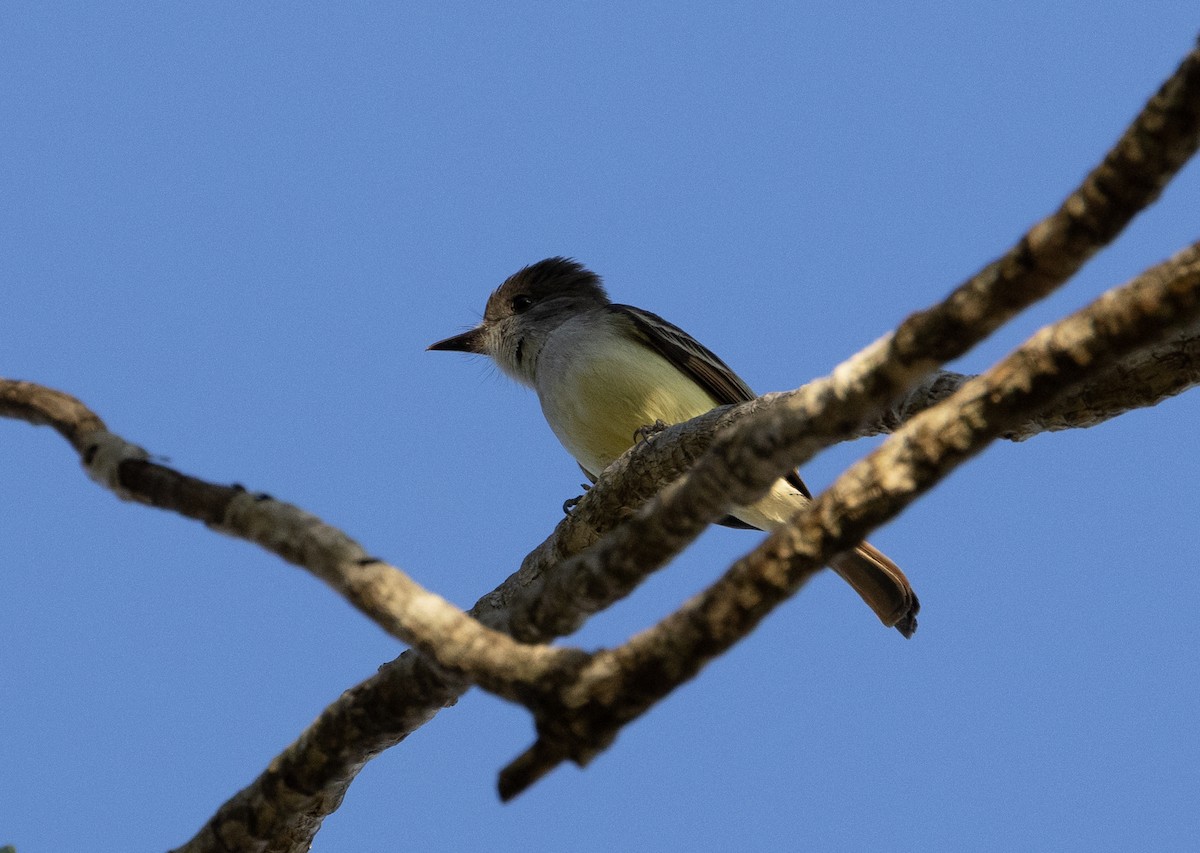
(232, 229)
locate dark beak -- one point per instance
(471, 341)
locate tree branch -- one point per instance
(1141, 379)
(614, 687)
(385, 594)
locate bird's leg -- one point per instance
(643, 433)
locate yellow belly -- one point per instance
(597, 403)
(600, 398)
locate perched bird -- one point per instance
(603, 371)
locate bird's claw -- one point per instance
(570, 503)
(643, 433)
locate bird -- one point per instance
(605, 372)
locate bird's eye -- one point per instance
(522, 303)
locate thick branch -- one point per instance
(617, 686)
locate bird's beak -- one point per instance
(471, 341)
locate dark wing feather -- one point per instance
(876, 578)
(695, 360)
(688, 354)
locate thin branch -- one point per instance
(385, 594)
(1140, 380)
(616, 686)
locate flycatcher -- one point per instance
(603, 371)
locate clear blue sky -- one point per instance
(232, 229)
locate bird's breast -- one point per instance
(596, 397)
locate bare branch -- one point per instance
(282, 809)
(382, 592)
(1145, 378)
(43, 406)
(1142, 379)
(617, 686)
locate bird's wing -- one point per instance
(688, 354)
(695, 360)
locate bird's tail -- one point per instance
(882, 586)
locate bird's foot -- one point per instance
(643, 433)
